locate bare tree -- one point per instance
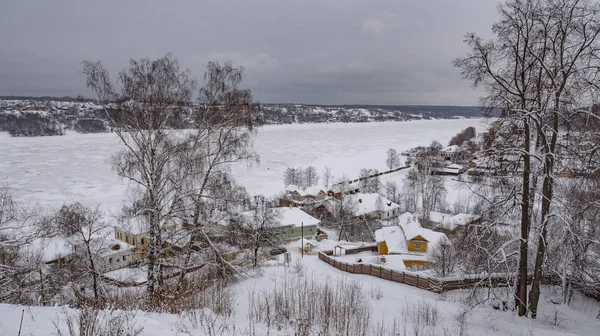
(21, 278)
(87, 233)
(260, 228)
(289, 177)
(391, 191)
(443, 259)
(295, 177)
(537, 70)
(177, 174)
(369, 180)
(311, 177)
(327, 177)
(393, 159)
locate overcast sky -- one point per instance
(320, 52)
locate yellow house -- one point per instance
(137, 235)
(409, 240)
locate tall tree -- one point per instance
(311, 177)
(393, 159)
(535, 70)
(327, 177)
(177, 175)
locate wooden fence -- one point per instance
(432, 284)
(374, 175)
(409, 278)
(441, 285)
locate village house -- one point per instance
(566, 173)
(449, 223)
(408, 240)
(451, 169)
(110, 253)
(450, 153)
(374, 206)
(297, 197)
(136, 234)
(107, 253)
(292, 223)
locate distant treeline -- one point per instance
(50, 119)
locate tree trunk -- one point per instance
(93, 269)
(521, 290)
(534, 294)
(255, 261)
(547, 194)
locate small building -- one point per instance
(566, 173)
(297, 197)
(451, 153)
(135, 233)
(409, 240)
(306, 245)
(374, 206)
(293, 223)
(451, 169)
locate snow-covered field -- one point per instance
(75, 167)
(386, 301)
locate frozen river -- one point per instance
(75, 167)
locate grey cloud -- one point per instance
(323, 52)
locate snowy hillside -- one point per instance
(391, 309)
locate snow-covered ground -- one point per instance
(75, 167)
(387, 301)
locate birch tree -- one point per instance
(393, 159)
(177, 174)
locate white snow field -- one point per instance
(76, 167)
(387, 301)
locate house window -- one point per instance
(417, 245)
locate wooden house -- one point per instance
(566, 173)
(409, 240)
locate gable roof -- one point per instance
(408, 228)
(289, 216)
(450, 222)
(368, 203)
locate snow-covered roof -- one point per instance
(454, 166)
(136, 225)
(305, 241)
(295, 217)
(312, 191)
(450, 222)
(408, 228)
(369, 203)
(50, 248)
(289, 216)
(102, 243)
(394, 238)
(451, 149)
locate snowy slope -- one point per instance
(482, 320)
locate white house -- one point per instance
(374, 206)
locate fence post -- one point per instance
(391, 274)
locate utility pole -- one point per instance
(302, 233)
